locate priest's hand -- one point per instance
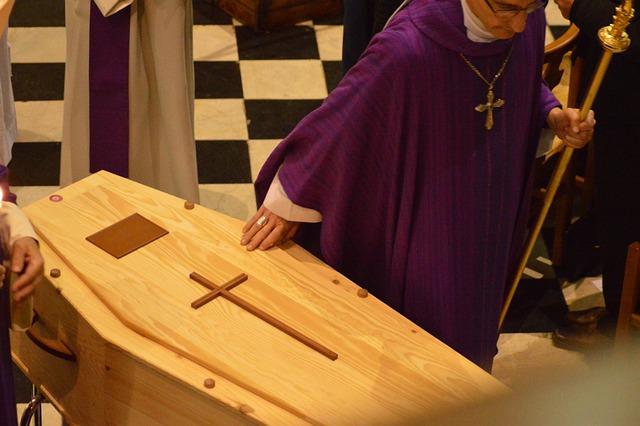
(266, 229)
(566, 124)
(26, 261)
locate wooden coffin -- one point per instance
(139, 354)
(269, 14)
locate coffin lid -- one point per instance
(388, 370)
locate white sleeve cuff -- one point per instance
(279, 203)
(19, 225)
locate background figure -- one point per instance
(417, 187)
(617, 154)
(129, 93)
(362, 20)
(19, 244)
(8, 126)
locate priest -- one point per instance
(129, 93)
(412, 176)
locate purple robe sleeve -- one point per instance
(548, 101)
(355, 133)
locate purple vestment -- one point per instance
(420, 203)
(109, 91)
(7, 398)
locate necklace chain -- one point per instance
(492, 102)
(495, 77)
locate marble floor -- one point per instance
(242, 111)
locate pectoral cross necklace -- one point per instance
(492, 102)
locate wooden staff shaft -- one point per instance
(554, 184)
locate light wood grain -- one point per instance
(389, 370)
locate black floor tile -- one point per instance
(218, 80)
(298, 42)
(329, 20)
(35, 164)
(37, 13)
(38, 82)
(558, 30)
(22, 386)
(270, 119)
(223, 162)
(332, 73)
(538, 307)
(206, 12)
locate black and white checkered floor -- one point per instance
(251, 90)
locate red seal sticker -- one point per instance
(55, 198)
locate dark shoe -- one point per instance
(586, 317)
(577, 339)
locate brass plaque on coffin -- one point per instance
(127, 235)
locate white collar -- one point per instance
(476, 31)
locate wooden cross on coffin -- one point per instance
(223, 291)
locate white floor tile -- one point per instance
(554, 16)
(329, 42)
(522, 356)
(29, 194)
(39, 121)
(283, 79)
(37, 44)
(583, 294)
(214, 43)
(50, 417)
(235, 200)
(220, 119)
(259, 150)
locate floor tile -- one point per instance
(223, 162)
(38, 82)
(557, 30)
(291, 79)
(329, 20)
(46, 44)
(554, 16)
(584, 294)
(39, 121)
(214, 43)
(35, 164)
(30, 194)
(259, 151)
(220, 119)
(50, 417)
(275, 119)
(332, 73)
(329, 39)
(37, 13)
(235, 200)
(523, 356)
(218, 80)
(206, 12)
(297, 42)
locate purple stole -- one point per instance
(109, 91)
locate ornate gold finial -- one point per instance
(614, 37)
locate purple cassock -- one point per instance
(7, 397)
(421, 204)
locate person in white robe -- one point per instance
(159, 118)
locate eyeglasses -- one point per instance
(508, 12)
